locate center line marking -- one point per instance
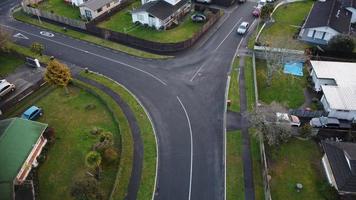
(191, 148)
(233, 28)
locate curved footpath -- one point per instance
(136, 135)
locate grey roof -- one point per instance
(331, 13)
(96, 4)
(336, 152)
(160, 9)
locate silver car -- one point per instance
(243, 28)
(325, 122)
(6, 87)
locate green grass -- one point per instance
(280, 34)
(26, 52)
(9, 63)
(234, 90)
(234, 166)
(249, 82)
(147, 135)
(257, 167)
(122, 22)
(285, 89)
(21, 16)
(59, 7)
(65, 159)
(296, 162)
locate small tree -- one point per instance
(93, 161)
(58, 74)
(106, 140)
(37, 48)
(266, 11)
(86, 188)
(342, 43)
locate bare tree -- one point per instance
(264, 119)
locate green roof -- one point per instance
(17, 138)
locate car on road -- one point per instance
(32, 113)
(286, 118)
(243, 28)
(324, 122)
(6, 87)
(257, 11)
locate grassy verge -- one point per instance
(9, 63)
(147, 135)
(59, 7)
(234, 90)
(285, 89)
(122, 22)
(234, 167)
(24, 51)
(296, 162)
(257, 167)
(281, 33)
(249, 82)
(21, 16)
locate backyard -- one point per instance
(65, 158)
(285, 89)
(296, 162)
(59, 7)
(9, 63)
(281, 33)
(122, 22)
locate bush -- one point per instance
(110, 155)
(305, 130)
(37, 48)
(96, 131)
(341, 43)
(86, 188)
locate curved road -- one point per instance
(184, 96)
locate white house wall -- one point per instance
(77, 2)
(353, 11)
(143, 18)
(318, 82)
(95, 13)
(319, 31)
(339, 114)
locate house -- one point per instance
(161, 14)
(338, 83)
(75, 2)
(326, 19)
(92, 9)
(339, 164)
(21, 142)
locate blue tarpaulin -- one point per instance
(295, 68)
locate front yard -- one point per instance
(59, 7)
(122, 22)
(288, 18)
(9, 63)
(296, 162)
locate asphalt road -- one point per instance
(184, 97)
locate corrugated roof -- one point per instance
(161, 9)
(96, 4)
(18, 136)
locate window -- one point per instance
(99, 10)
(319, 35)
(5, 88)
(311, 33)
(88, 14)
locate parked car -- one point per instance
(32, 113)
(198, 17)
(325, 122)
(262, 2)
(243, 28)
(6, 87)
(286, 118)
(257, 11)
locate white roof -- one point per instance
(341, 96)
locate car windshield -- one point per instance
(242, 26)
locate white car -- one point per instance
(6, 87)
(243, 28)
(204, 1)
(286, 118)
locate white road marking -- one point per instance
(191, 148)
(47, 34)
(82, 50)
(233, 28)
(197, 72)
(21, 36)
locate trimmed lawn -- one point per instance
(249, 82)
(287, 20)
(257, 167)
(21, 16)
(234, 90)
(296, 162)
(59, 7)
(285, 89)
(122, 22)
(9, 63)
(24, 51)
(234, 166)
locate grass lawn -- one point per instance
(24, 51)
(65, 159)
(147, 135)
(21, 16)
(8, 63)
(234, 166)
(285, 89)
(59, 7)
(249, 82)
(257, 167)
(122, 22)
(296, 162)
(287, 19)
(234, 90)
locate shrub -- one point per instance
(341, 43)
(86, 188)
(96, 131)
(110, 155)
(37, 48)
(305, 130)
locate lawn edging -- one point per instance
(151, 124)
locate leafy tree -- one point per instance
(86, 188)
(58, 74)
(264, 119)
(266, 11)
(110, 154)
(37, 48)
(93, 159)
(106, 140)
(4, 38)
(342, 43)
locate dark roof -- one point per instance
(160, 9)
(345, 176)
(330, 13)
(96, 4)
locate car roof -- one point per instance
(244, 23)
(30, 110)
(3, 84)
